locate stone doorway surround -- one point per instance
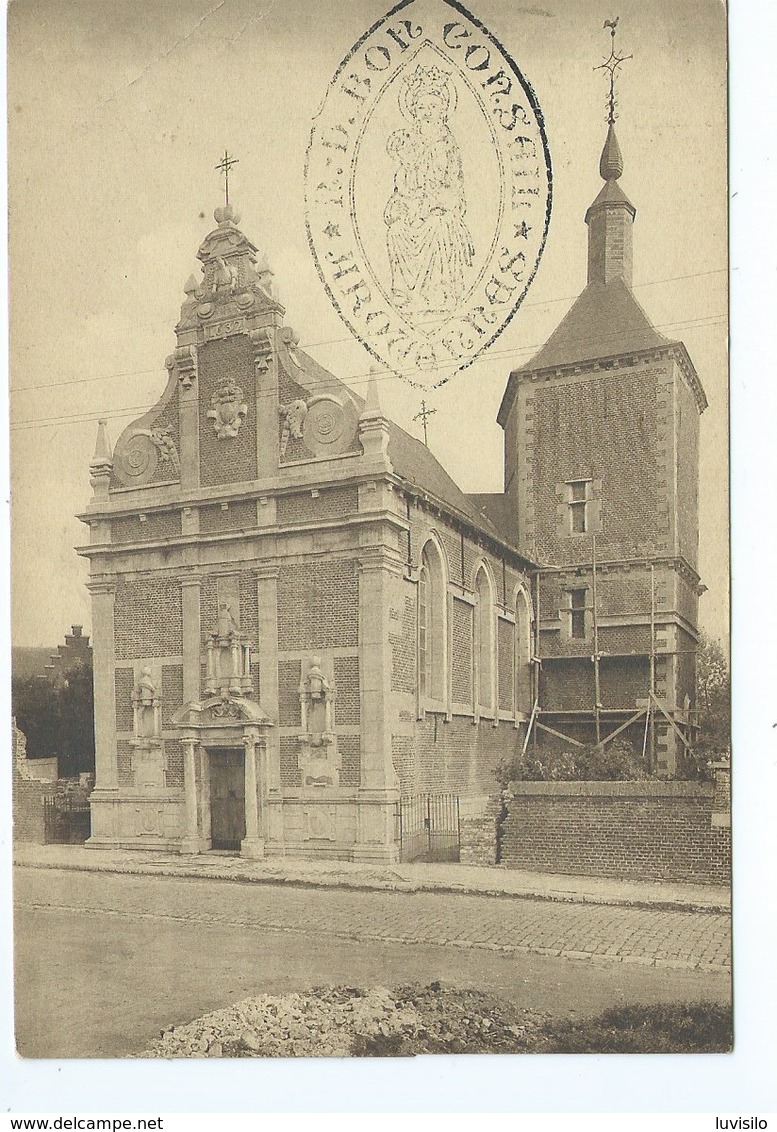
(216, 723)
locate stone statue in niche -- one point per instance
(319, 759)
(146, 706)
(292, 421)
(228, 662)
(228, 410)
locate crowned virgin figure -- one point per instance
(429, 244)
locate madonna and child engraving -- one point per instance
(428, 190)
(429, 244)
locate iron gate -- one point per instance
(66, 820)
(428, 827)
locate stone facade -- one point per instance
(299, 618)
(297, 615)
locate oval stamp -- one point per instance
(428, 189)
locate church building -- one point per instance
(299, 619)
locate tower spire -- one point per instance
(611, 216)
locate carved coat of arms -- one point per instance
(428, 189)
(228, 410)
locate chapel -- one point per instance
(300, 622)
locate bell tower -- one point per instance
(601, 477)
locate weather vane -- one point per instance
(611, 66)
(224, 167)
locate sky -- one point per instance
(118, 114)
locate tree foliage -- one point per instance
(58, 719)
(714, 699)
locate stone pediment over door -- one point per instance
(219, 713)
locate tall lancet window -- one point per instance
(484, 641)
(432, 627)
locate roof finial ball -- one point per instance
(611, 163)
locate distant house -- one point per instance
(52, 664)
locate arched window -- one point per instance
(523, 651)
(484, 641)
(432, 626)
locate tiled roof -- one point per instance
(412, 461)
(604, 321)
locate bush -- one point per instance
(618, 761)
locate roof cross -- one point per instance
(224, 166)
(611, 66)
(423, 416)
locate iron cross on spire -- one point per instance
(423, 416)
(224, 167)
(611, 66)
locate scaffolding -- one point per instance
(652, 707)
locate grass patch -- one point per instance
(689, 1027)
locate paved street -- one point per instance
(105, 961)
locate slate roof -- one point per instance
(605, 320)
(414, 463)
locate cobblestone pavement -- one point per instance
(651, 937)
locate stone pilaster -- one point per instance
(252, 844)
(104, 663)
(379, 789)
(104, 797)
(192, 841)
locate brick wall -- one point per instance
(240, 515)
(148, 619)
(402, 637)
(318, 605)
(349, 747)
(233, 459)
(461, 652)
(124, 682)
(506, 664)
(155, 525)
(460, 756)
(403, 759)
(172, 691)
(347, 707)
(631, 830)
(291, 775)
(126, 775)
(687, 425)
(478, 825)
(28, 820)
(603, 429)
(330, 503)
(174, 763)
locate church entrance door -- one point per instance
(227, 798)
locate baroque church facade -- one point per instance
(298, 617)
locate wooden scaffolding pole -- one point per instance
(597, 691)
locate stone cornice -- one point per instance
(628, 360)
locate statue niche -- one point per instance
(228, 667)
(319, 760)
(146, 707)
(147, 744)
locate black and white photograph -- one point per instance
(370, 572)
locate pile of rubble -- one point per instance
(347, 1022)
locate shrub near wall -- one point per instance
(633, 830)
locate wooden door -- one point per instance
(227, 798)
